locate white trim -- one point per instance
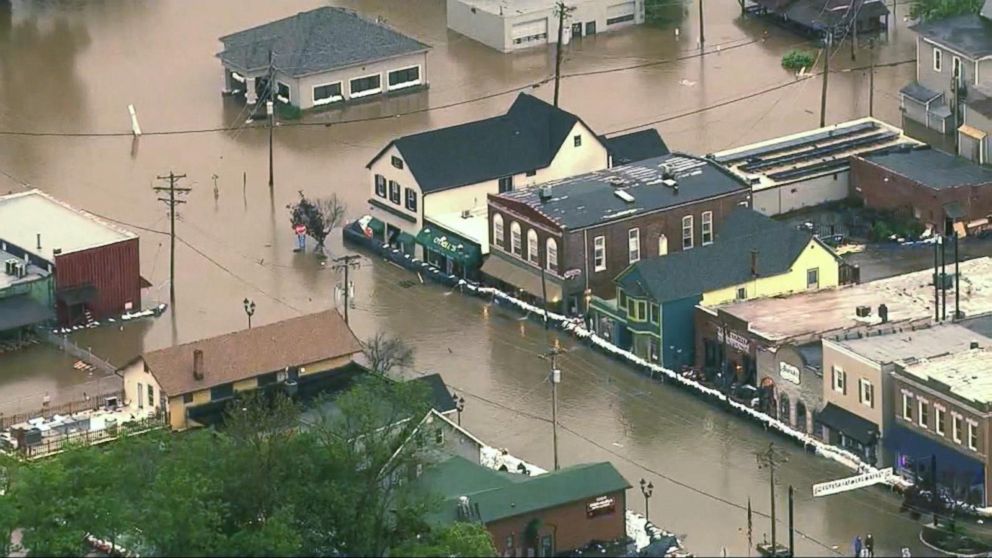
(937, 59)
(328, 100)
(702, 226)
(288, 99)
(366, 92)
(418, 81)
(237, 77)
(596, 267)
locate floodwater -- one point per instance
(71, 69)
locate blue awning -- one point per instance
(950, 462)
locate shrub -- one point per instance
(797, 59)
(289, 112)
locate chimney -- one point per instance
(754, 263)
(544, 193)
(974, 345)
(197, 364)
(39, 240)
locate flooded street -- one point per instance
(68, 71)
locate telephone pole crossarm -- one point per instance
(346, 263)
(770, 459)
(171, 202)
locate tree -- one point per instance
(319, 215)
(385, 352)
(927, 10)
(458, 539)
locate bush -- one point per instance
(797, 59)
(289, 112)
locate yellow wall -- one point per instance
(135, 375)
(793, 281)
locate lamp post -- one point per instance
(249, 310)
(459, 406)
(647, 489)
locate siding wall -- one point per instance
(301, 89)
(805, 193)
(856, 368)
(113, 269)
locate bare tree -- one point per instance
(385, 352)
(319, 215)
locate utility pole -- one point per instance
(555, 380)
(769, 459)
(702, 34)
(563, 12)
(346, 263)
(853, 26)
(270, 108)
(792, 529)
(544, 297)
(957, 280)
(871, 78)
(943, 277)
(828, 41)
(171, 202)
(936, 281)
(956, 108)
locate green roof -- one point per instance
(500, 495)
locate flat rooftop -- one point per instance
(25, 215)
(923, 343)
(34, 272)
(965, 375)
(510, 7)
(909, 297)
(810, 154)
(474, 228)
(931, 168)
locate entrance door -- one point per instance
(576, 30)
(141, 396)
(590, 28)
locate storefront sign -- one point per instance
(445, 244)
(788, 372)
(604, 505)
(851, 483)
(735, 340)
(572, 273)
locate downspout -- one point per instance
(585, 261)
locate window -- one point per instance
(956, 68)
(622, 299)
(599, 253)
(509, 546)
(397, 162)
(394, 192)
(282, 92)
(498, 230)
(956, 427)
(577, 140)
(654, 313)
(707, 228)
(938, 420)
(324, 94)
(380, 186)
(221, 391)
(187, 398)
(530, 38)
(937, 56)
(813, 278)
(633, 245)
(411, 199)
(369, 85)
(638, 310)
(532, 172)
(551, 256)
(924, 413)
(532, 255)
(741, 293)
(907, 406)
(840, 380)
(662, 245)
(505, 184)
(515, 239)
(151, 395)
(439, 436)
(687, 232)
(972, 436)
(405, 77)
(866, 393)
(141, 395)
(619, 19)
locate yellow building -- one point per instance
(751, 257)
(192, 383)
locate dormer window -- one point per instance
(397, 162)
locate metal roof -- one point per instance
(932, 168)
(918, 92)
(25, 215)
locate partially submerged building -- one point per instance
(820, 17)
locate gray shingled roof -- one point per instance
(526, 138)
(824, 14)
(724, 263)
(919, 93)
(591, 199)
(968, 34)
(315, 41)
(932, 168)
(635, 146)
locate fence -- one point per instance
(64, 344)
(57, 444)
(6, 421)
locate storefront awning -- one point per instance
(21, 311)
(520, 277)
(76, 295)
(849, 424)
(450, 245)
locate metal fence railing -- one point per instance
(56, 444)
(6, 421)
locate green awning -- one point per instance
(450, 245)
(376, 225)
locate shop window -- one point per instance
(498, 230)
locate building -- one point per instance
(540, 515)
(635, 146)
(859, 386)
(428, 191)
(950, 101)
(321, 57)
(94, 265)
(509, 25)
(198, 379)
(774, 343)
(808, 168)
(752, 256)
(940, 428)
(571, 237)
(820, 17)
(948, 194)
(27, 298)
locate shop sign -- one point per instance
(572, 273)
(604, 505)
(788, 372)
(735, 340)
(446, 245)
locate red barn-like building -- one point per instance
(95, 264)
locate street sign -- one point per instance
(851, 483)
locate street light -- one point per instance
(249, 310)
(647, 489)
(459, 406)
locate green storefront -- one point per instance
(450, 252)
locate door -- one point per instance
(526, 33)
(141, 396)
(590, 28)
(576, 30)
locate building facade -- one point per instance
(530, 23)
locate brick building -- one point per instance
(942, 191)
(571, 237)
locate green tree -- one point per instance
(928, 10)
(459, 539)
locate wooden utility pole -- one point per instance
(171, 202)
(270, 108)
(702, 34)
(562, 12)
(769, 459)
(792, 528)
(871, 78)
(555, 378)
(828, 41)
(346, 263)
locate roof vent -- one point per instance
(863, 311)
(624, 196)
(666, 171)
(544, 193)
(974, 345)
(671, 183)
(466, 213)
(617, 181)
